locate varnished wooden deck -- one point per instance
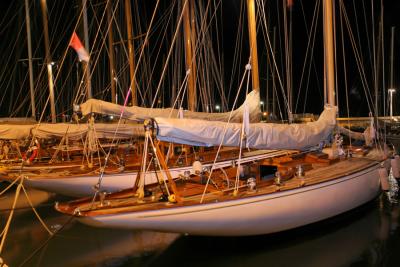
(191, 191)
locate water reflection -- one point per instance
(365, 237)
(358, 238)
(29, 244)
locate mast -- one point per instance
(391, 55)
(48, 60)
(111, 52)
(391, 89)
(251, 18)
(131, 51)
(287, 4)
(329, 59)
(28, 33)
(273, 74)
(189, 34)
(86, 65)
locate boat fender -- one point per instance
(197, 167)
(384, 178)
(172, 198)
(395, 167)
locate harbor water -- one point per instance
(367, 236)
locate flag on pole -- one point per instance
(76, 44)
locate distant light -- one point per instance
(217, 107)
(111, 117)
(261, 103)
(52, 63)
(265, 113)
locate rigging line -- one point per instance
(246, 73)
(202, 44)
(35, 211)
(159, 50)
(310, 42)
(46, 242)
(102, 44)
(335, 58)
(9, 219)
(238, 47)
(273, 56)
(169, 54)
(359, 66)
(287, 60)
(144, 44)
(8, 62)
(367, 32)
(242, 134)
(184, 85)
(215, 73)
(48, 98)
(358, 40)
(383, 66)
(10, 20)
(375, 60)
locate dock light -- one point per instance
(391, 91)
(217, 108)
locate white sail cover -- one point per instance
(70, 130)
(14, 131)
(78, 131)
(259, 135)
(139, 113)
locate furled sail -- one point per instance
(72, 131)
(77, 131)
(15, 131)
(258, 135)
(138, 113)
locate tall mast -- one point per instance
(48, 60)
(251, 18)
(111, 51)
(86, 65)
(287, 4)
(189, 33)
(273, 74)
(28, 33)
(392, 29)
(329, 59)
(391, 89)
(131, 51)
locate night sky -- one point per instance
(63, 16)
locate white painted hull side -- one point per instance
(255, 215)
(81, 186)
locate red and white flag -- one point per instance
(76, 44)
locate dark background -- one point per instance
(229, 20)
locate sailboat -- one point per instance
(260, 197)
(75, 179)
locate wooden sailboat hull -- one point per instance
(257, 215)
(79, 186)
